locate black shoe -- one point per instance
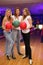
(13, 57)
(8, 57)
(20, 53)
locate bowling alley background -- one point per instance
(36, 37)
(36, 10)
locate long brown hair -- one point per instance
(27, 11)
(15, 11)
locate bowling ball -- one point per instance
(8, 25)
(16, 23)
(23, 25)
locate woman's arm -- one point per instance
(30, 22)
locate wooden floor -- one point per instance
(37, 54)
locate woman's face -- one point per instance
(17, 12)
(8, 13)
(24, 12)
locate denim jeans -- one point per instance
(9, 43)
(16, 38)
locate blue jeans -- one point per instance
(9, 42)
(16, 37)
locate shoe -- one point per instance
(30, 62)
(13, 57)
(20, 53)
(8, 57)
(24, 57)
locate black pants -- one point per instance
(26, 38)
(42, 39)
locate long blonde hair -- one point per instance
(7, 11)
(9, 18)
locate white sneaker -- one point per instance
(24, 56)
(30, 61)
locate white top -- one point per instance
(19, 18)
(26, 20)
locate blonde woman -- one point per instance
(8, 35)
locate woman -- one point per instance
(26, 34)
(16, 31)
(8, 35)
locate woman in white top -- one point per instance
(16, 31)
(26, 33)
(8, 35)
